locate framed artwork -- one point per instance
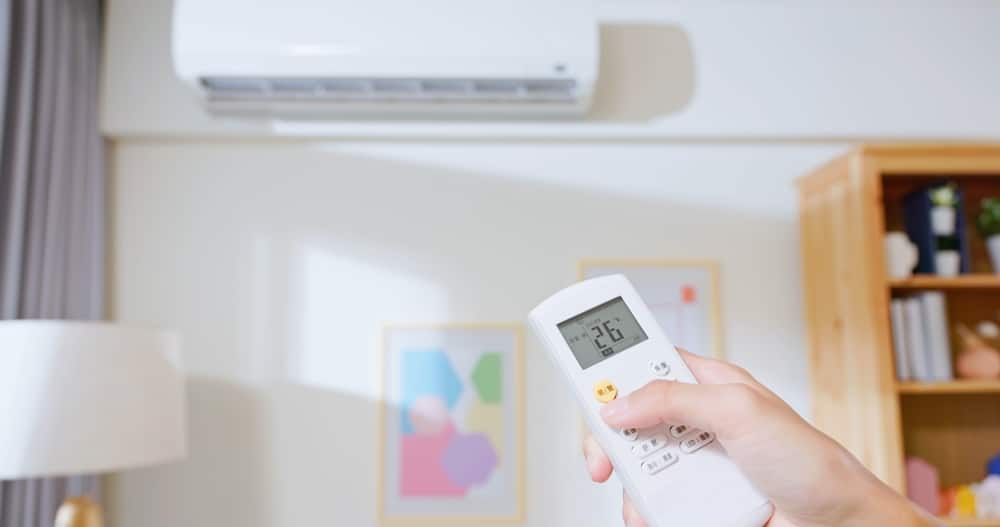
(451, 425)
(683, 296)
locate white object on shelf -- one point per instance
(988, 329)
(916, 341)
(988, 497)
(900, 255)
(993, 246)
(315, 59)
(935, 319)
(899, 340)
(84, 398)
(943, 220)
(947, 263)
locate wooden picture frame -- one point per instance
(403, 422)
(707, 274)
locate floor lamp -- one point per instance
(87, 398)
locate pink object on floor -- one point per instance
(423, 471)
(923, 485)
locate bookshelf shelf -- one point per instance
(916, 388)
(972, 522)
(969, 281)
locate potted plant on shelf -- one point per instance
(947, 259)
(943, 201)
(989, 228)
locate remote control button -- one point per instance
(679, 431)
(660, 368)
(658, 463)
(697, 442)
(605, 391)
(630, 434)
(648, 446)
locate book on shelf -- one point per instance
(935, 319)
(899, 340)
(920, 340)
(916, 346)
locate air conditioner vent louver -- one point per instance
(342, 89)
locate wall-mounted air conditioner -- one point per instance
(319, 59)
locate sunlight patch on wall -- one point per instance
(340, 305)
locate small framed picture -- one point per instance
(452, 425)
(683, 296)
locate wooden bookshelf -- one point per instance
(917, 388)
(846, 207)
(971, 522)
(968, 281)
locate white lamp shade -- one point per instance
(84, 398)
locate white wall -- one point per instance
(246, 244)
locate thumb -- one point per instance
(719, 408)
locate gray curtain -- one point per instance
(52, 191)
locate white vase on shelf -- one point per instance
(993, 247)
(900, 255)
(947, 263)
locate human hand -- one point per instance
(811, 480)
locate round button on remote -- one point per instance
(605, 391)
(660, 368)
(630, 434)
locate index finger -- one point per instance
(715, 371)
(729, 410)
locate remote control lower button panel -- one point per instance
(697, 442)
(659, 462)
(648, 446)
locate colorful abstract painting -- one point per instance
(452, 424)
(683, 297)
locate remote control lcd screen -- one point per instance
(599, 333)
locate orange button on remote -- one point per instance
(605, 391)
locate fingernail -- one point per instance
(615, 409)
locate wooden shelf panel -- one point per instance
(956, 432)
(948, 387)
(967, 281)
(971, 522)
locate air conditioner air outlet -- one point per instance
(348, 89)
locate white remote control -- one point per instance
(604, 338)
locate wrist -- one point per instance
(868, 501)
(880, 505)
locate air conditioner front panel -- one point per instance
(485, 29)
